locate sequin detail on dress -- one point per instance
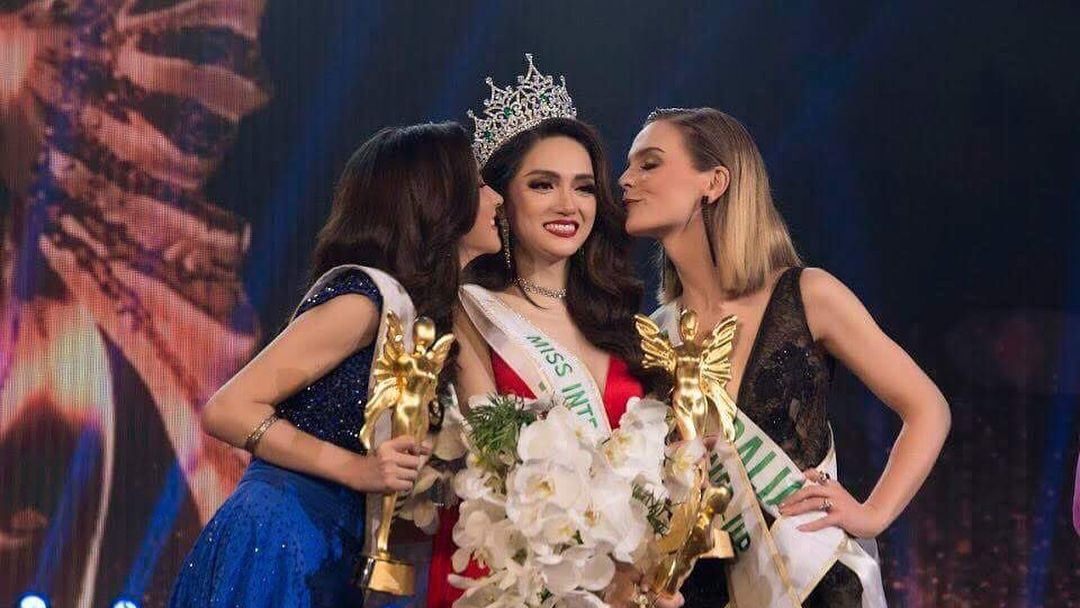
(331, 408)
(784, 390)
(284, 538)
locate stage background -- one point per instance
(166, 166)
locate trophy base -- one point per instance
(721, 546)
(385, 575)
(670, 574)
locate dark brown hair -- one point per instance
(403, 202)
(602, 291)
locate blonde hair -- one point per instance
(749, 237)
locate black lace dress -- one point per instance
(783, 391)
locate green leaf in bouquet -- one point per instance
(494, 428)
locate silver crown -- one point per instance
(512, 110)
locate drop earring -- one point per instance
(504, 232)
(706, 217)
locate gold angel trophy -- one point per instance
(405, 384)
(701, 407)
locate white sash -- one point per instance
(543, 364)
(790, 561)
(396, 300)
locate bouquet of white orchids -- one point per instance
(550, 504)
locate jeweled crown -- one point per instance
(512, 110)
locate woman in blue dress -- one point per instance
(410, 204)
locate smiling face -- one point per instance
(661, 187)
(552, 200)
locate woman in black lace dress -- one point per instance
(697, 183)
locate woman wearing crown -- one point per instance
(551, 315)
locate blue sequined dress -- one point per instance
(284, 538)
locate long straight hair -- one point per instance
(749, 237)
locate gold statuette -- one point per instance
(405, 384)
(700, 372)
(701, 407)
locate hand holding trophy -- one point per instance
(405, 385)
(702, 407)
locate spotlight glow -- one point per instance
(33, 600)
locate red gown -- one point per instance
(621, 385)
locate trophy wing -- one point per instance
(384, 396)
(655, 345)
(393, 347)
(385, 389)
(441, 350)
(716, 353)
(716, 370)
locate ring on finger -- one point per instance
(824, 477)
(826, 505)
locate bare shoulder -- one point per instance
(310, 346)
(474, 373)
(819, 287)
(345, 307)
(351, 318)
(828, 302)
(464, 329)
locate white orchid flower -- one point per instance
(545, 482)
(451, 441)
(613, 520)
(475, 484)
(579, 568)
(552, 524)
(645, 412)
(575, 599)
(681, 471)
(556, 439)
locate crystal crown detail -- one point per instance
(512, 110)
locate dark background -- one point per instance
(926, 153)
